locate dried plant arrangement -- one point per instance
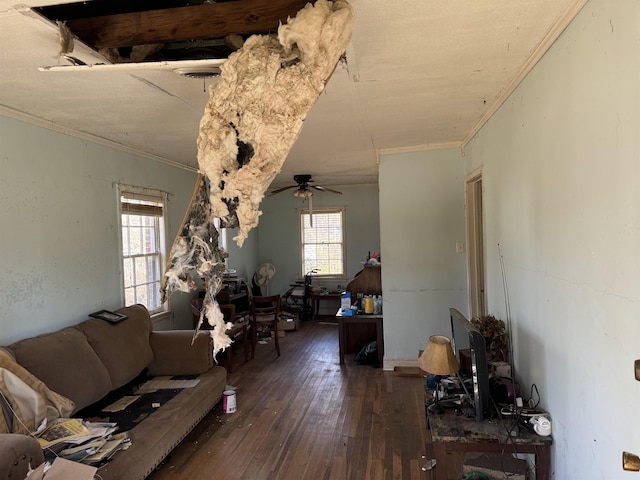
(494, 332)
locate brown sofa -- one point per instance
(86, 362)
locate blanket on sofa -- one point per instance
(26, 401)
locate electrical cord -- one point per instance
(512, 431)
(17, 417)
(530, 402)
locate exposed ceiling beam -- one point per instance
(209, 20)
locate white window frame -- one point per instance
(305, 269)
(145, 197)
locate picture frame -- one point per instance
(108, 316)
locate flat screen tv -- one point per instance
(470, 349)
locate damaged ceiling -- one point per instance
(418, 73)
(169, 30)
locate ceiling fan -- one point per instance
(304, 186)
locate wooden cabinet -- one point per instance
(240, 300)
(356, 334)
(367, 281)
(237, 294)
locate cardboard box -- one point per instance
(288, 324)
(345, 300)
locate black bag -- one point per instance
(368, 355)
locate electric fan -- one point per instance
(263, 275)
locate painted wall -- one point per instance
(561, 177)
(422, 219)
(244, 260)
(59, 246)
(279, 237)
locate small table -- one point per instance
(317, 297)
(455, 433)
(344, 321)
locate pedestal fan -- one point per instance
(263, 275)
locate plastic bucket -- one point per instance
(228, 401)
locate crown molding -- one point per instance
(418, 148)
(39, 122)
(546, 43)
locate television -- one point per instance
(470, 349)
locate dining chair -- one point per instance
(239, 331)
(265, 312)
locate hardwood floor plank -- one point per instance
(304, 416)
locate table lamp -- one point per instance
(438, 359)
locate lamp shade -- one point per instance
(438, 357)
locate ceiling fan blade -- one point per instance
(326, 189)
(278, 190)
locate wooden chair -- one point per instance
(265, 312)
(237, 332)
(228, 310)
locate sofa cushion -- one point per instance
(123, 347)
(66, 363)
(154, 438)
(179, 352)
(26, 401)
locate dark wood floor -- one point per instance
(304, 416)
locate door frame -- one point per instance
(475, 243)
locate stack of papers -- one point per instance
(86, 442)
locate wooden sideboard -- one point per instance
(356, 332)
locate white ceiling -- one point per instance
(419, 74)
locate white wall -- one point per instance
(561, 184)
(59, 246)
(421, 220)
(279, 237)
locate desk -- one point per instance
(456, 433)
(317, 297)
(343, 335)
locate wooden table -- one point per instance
(456, 433)
(343, 332)
(317, 297)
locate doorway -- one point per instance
(475, 243)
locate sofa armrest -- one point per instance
(18, 453)
(175, 354)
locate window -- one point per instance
(322, 244)
(142, 217)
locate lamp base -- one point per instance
(434, 407)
